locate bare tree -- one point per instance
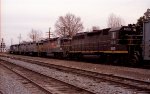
(147, 14)
(115, 21)
(68, 25)
(35, 35)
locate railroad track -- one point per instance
(139, 85)
(1, 92)
(26, 85)
(44, 83)
(133, 83)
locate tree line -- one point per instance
(69, 25)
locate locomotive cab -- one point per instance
(65, 46)
(118, 40)
(14, 49)
(125, 42)
(132, 40)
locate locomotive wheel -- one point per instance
(134, 60)
(70, 55)
(58, 55)
(79, 56)
(55, 55)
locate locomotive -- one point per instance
(125, 44)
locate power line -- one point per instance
(19, 38)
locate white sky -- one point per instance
(20, 16)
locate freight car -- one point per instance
(146, 42)
(124, 44)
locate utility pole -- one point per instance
(49, 33)
(11, 41)
(19, 38)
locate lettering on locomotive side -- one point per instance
(113, 48)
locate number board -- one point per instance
(127, 29)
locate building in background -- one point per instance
(2, 46)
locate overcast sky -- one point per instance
(20, 16)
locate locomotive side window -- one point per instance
(113, 35)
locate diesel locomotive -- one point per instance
(125, 44)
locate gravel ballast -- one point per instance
(96, 87)
(135, 73)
